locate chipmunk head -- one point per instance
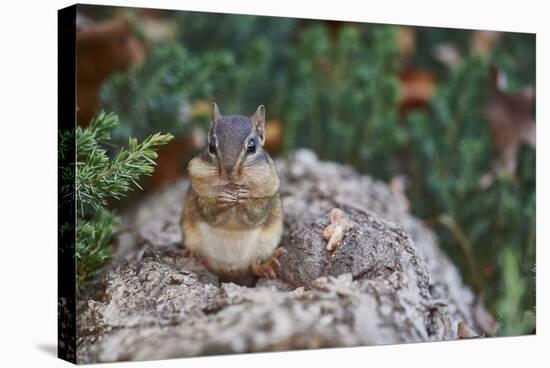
(235, 143)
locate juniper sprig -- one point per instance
(98, 177)
(95, 178)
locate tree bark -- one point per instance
(387, 282)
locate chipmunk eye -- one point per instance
(251, 146)
(212, 146)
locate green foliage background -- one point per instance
(338, 93)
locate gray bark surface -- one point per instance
(387, 282)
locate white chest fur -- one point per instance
(231, 249)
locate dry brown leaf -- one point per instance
(482, 41)
(417, 89)
(406, 39)
(274, 135)
(511, 123)
(102, 48)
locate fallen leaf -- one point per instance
(417, 89)
(511, 123)
(103, 49)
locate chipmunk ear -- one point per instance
(258, 119)
(216, 114)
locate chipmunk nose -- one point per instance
(230, 172)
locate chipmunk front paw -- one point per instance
(269, 268)
(242, 195)
(233, 195)
(226, 199)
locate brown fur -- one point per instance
(232, 215)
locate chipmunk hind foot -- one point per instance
(269, 268)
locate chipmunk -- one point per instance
(232, 217)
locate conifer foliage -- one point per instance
(100, 178)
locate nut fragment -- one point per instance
(334, 232)
(299, 291)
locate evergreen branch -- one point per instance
(93, 243)
(97, 133)
(97, 177)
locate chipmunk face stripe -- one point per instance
(231, 133)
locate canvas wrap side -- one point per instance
(66, 104)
